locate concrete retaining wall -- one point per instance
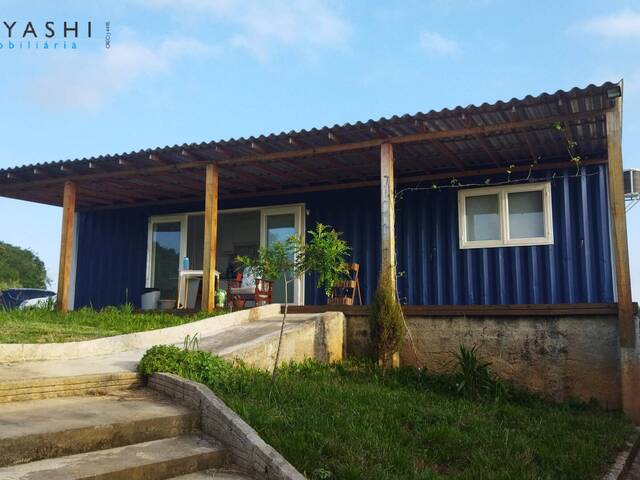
(557, 356)
(321, 338)
(252, 454)
(19, 352)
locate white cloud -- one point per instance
(437, 44)
(624, 24)
(84, 81)
(263, 26)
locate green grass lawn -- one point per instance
(348, 421)
(43, 326)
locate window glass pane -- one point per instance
(526, 215)
(238, 234)
(483, 221)
(166, 253)
(195, 241)
(279, 228)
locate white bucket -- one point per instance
(150, 300)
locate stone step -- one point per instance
(214, 474)
(38, 429)
(37, 388)
(158, 459)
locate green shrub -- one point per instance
(199, 366)
(387, 322)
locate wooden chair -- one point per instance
(239, 292)
(345, 291)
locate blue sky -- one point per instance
(194, 70)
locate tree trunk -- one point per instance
(284, 318)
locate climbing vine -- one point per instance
(454, 182)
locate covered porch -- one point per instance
(390, 185)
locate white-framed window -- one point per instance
(505, 216)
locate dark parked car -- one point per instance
(23, 297)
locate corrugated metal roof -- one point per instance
(486, 144)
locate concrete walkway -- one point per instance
(224, 343)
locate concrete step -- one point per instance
(158, 459)
(38, 429)
(37, 388)
(215, 474)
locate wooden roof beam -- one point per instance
(370, 183)
(134, 194)
(421, 178)
(340, 165)
(314, 173)
(91, 195)
(532, 151)
(378, 132)
(157, 158)
(223, 152)
(448, 154)
(258, 148)
(158, 184)
(226, 181)
(228, 171)
(563, 104)
(289, 154)
(484, 143)
(439, 146)
(259, 179)
(279, 173)
(67, 169)
(15, 176)
(416, 162)
(299, 144)
(336, 138)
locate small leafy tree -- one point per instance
(324, 254)
(279, 261)
(387, 323)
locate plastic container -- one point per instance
(185, 263)
(149, 299)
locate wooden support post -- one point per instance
(210, 238)
(387, 204)
(626, 326)
(629, 353)
(66, 245)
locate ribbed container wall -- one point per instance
(576, 268)
(356, 214)
(112, 255)
(434, 270)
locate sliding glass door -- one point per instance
(278, 224)
(240, 232)
(166, 245)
